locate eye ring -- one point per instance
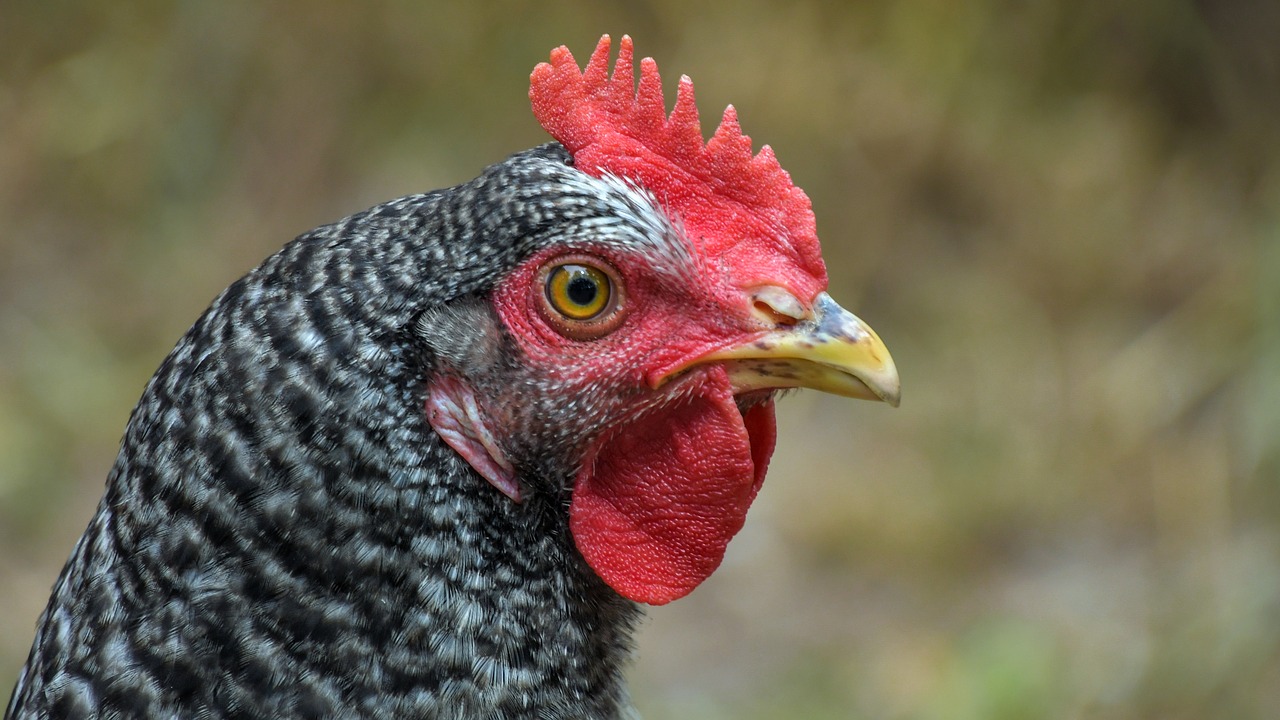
(581, 296)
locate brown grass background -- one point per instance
(1062, 217)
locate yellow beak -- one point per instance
(830, 349)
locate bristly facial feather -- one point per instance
(569, 393)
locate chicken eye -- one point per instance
(582, 298)
(579, 292)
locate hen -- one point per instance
(429, 460)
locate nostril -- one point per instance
(771, 316)
(776, 306)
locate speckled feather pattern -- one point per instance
(283, 535)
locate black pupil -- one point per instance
(582, 290)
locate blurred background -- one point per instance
(1062, 217)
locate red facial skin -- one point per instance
(671, 314)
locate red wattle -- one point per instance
(653, 514)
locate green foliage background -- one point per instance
(1062, 217)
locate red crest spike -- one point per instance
(738, 208)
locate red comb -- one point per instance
(740, 208)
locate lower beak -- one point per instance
(830, 350)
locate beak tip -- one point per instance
(892, 391)
(885, 389)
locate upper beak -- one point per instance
(828, 349)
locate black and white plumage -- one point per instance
(283, 534)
